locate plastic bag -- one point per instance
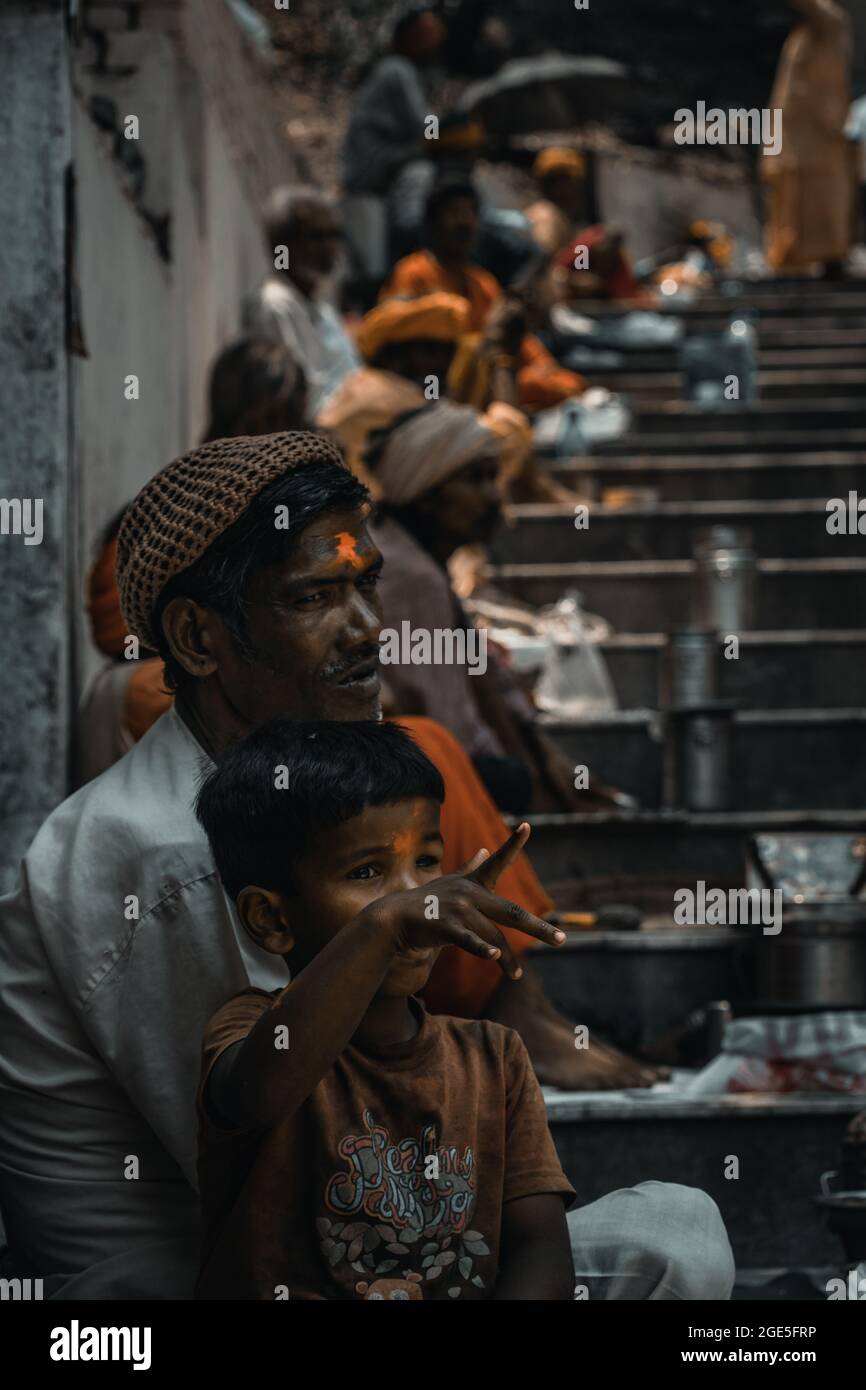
(808, 1052)
(574, 681)
(721, 369)
(579, 424)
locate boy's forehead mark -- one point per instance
(403, 841)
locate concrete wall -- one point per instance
(208, 164)
(655, 196)
(34, 606)
(210, 149)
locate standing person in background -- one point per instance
(811, 180)
(386, 133)
(289, 307)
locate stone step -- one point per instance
(667, 531)
(644, 596)
(781, 758)
(788, 355)
(783, 1144)
(775, 670)
(704, 477)
(848, 301)
(633, 987)
(690, 846)
(737, 438)
(811, 338)
(786, 385)
(651, 417)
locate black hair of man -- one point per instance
(452, 186)
(286, 209)
(407, 19)
(248, 373)
(218, 579)
(272, 792)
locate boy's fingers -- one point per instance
(472, 864)
(489, 872)
(482, 926)
(509, 914)
(468, 941)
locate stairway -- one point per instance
(800, 732)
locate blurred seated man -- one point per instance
(288, 307)
(412, 349)
(437, 474)
(407, 346)
(595, 265)
(447, 266)
(557, 214)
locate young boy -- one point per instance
(352, 1146)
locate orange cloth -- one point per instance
(439, 317)
(541, 381)
(462, 984)
(107, 624)
(146, 697)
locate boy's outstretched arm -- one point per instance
(253, 1084)
(535, 1250)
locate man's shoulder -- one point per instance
(138, 812)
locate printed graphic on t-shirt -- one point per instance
(401, 1213)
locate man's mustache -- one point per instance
(338, 669)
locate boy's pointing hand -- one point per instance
(467, 912)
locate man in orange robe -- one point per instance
(452, 219)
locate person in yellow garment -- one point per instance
(810, 182)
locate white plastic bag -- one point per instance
(574, 682)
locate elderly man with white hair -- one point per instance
(302, 234)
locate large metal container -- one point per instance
(724, 592)
(689, 670)
(817, 961)
(699, 757)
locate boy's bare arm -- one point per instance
(535, 1251)
(254, 1083)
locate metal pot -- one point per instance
(818, 960)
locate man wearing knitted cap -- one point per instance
(248, 566)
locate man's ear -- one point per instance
(266, 918)
(192, 633)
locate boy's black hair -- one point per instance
(271, 792)
(218, 579)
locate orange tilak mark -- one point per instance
(347, 549)
(402, 842)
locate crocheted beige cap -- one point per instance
(186, 506)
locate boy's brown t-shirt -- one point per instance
(389, 1181)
